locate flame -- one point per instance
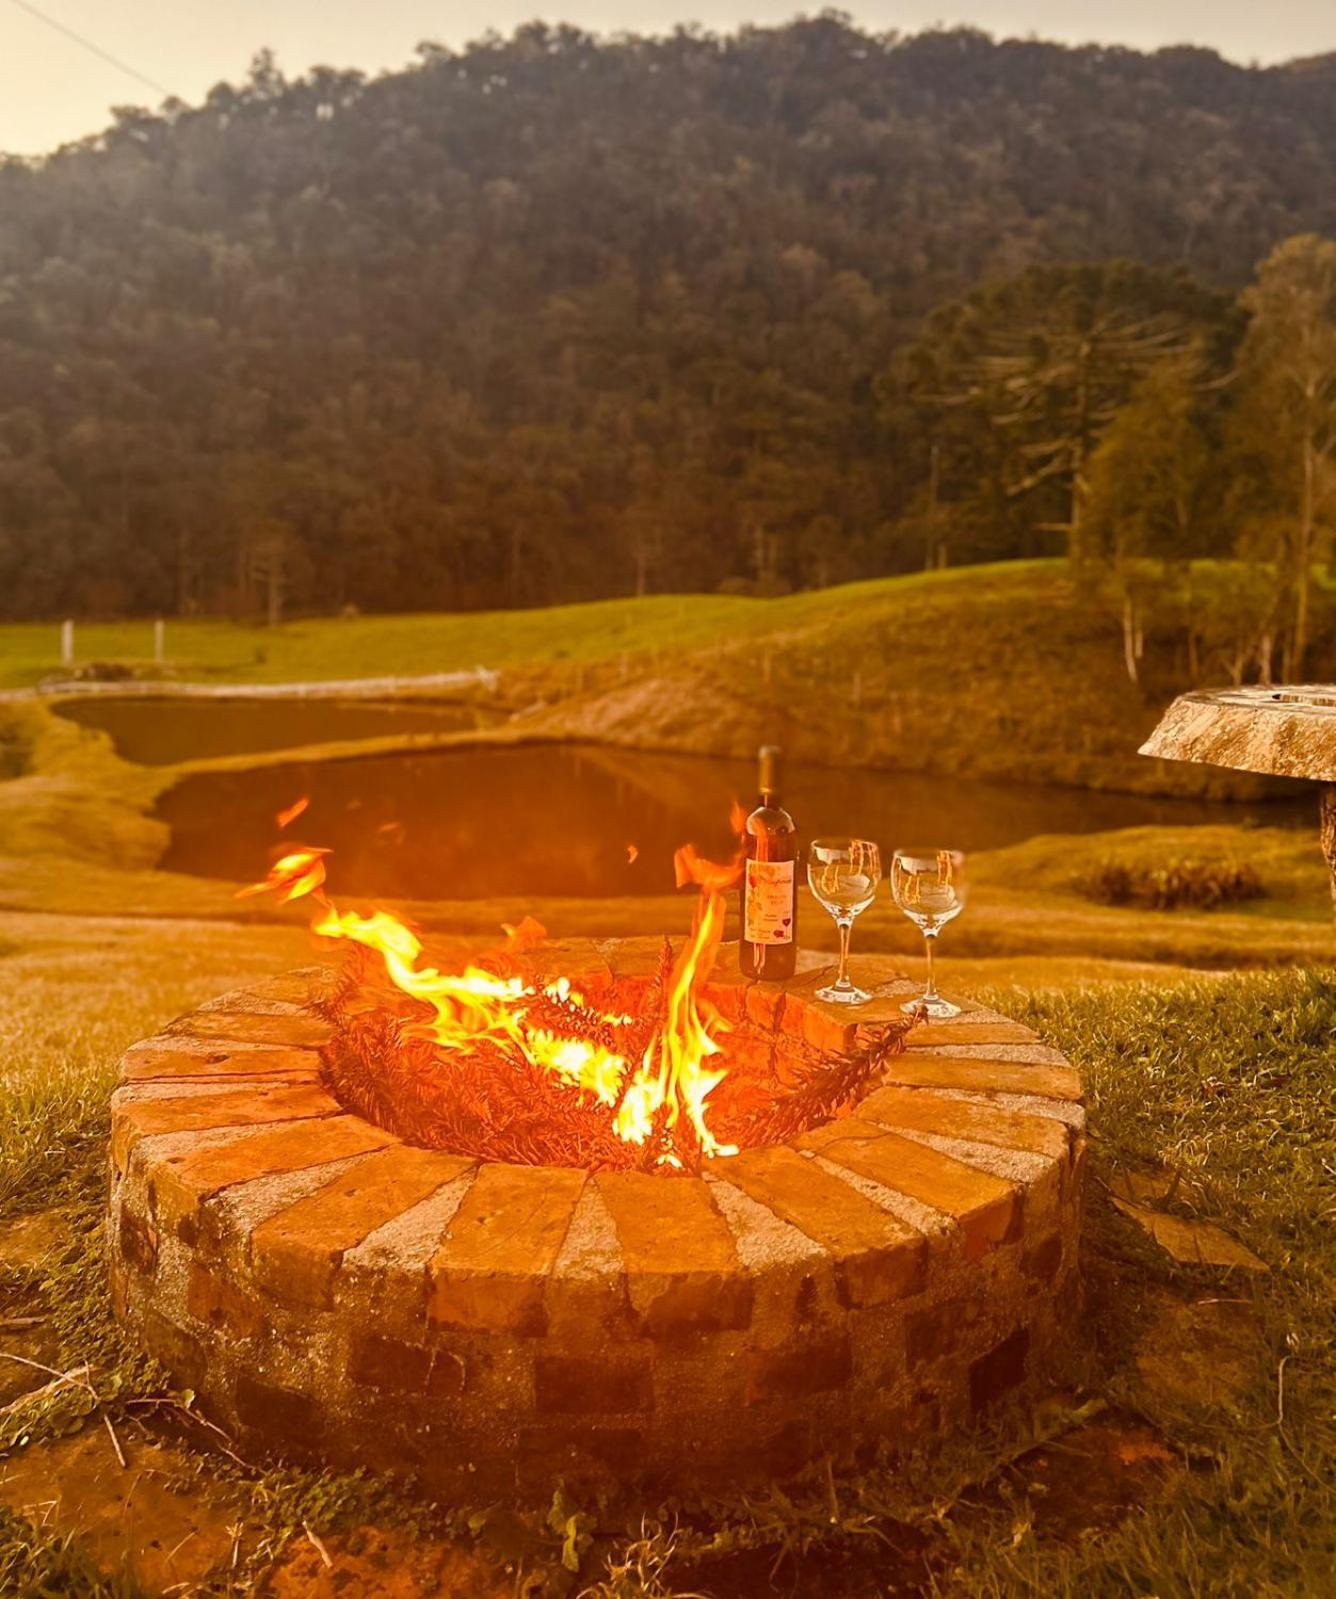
(292, 876)
(293, 811)
(647, 1097)
(673, 1076)
(632, 854)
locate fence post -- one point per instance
(67, 643)
(159, 641)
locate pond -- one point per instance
(160, 732)
(548, 819)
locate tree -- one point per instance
(1044, 363)
(1285, 432)
(1145, 491)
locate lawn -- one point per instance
(1196, 1405)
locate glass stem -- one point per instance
(845, 927)
(929, 939)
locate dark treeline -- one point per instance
(554, 318)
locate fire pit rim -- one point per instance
(230, 1249)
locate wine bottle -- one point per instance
(768, 943)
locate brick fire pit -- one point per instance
(335, 1294)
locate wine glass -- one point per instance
(843, 874)
(929, 886)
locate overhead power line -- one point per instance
(93, 49)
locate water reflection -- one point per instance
(556, 820)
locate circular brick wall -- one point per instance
(334, 1293)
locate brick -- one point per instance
(179, 1183)
(682, 1264)
(221, 1303)
(929, 1034)
(396, 1367)
(987, 1208)
(726, 990)
(296, 1253)
(137, 1242)
(1043, 1260)
(587, 1293)
(252, 1106)
(575, 959)
(179, 1351)
(765, 1004)
(608, 1385)
(304, 1028)
(812, 1367)
(162, 1059)
(278, 1413)
(1016, 1054)
(921, 1110)
(1000, 1369)
(937, 1330)
(878, 1257)
(829, 1028)
(922, 1069)
(491, 1268)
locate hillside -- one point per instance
(554, 318)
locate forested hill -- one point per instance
(557, 318)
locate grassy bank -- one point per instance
(993, 671)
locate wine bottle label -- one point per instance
(769, 902)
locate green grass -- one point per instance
(1226, 1080)
(375, 646)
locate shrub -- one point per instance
(1172, 884)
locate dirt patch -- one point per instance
(375, 1563)
(1203, 1352)
(1091, 1479)
(151, 1520)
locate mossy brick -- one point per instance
(181, 1352)
(221, 1303)
(491, 1267)
(252, 1106)
(296, 1252)
(606, 1385)
(1042, 1260)
(812, 1366)
(304, 1028)
(682, 1264)
(986, 1208)
(920, 1110)
(180, 1182)
(929, 1034)
(278, 1414)
(393, 1366)
(877, 1256)
(925, 1069)
(137, 1242)
(163, 1059)
(1001, 1369)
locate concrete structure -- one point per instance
(1287, 731)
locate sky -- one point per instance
(53, 90)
